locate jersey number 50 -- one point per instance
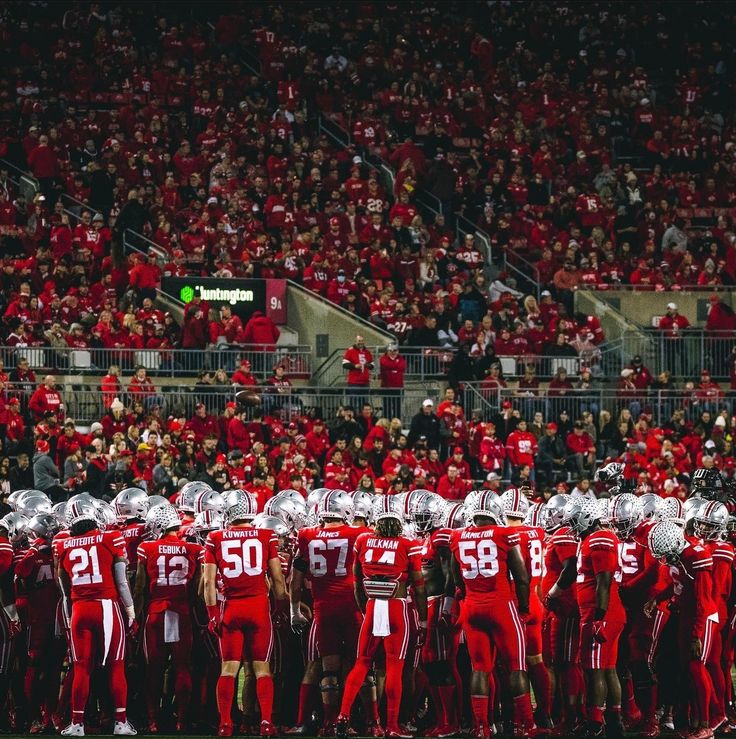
(244, 557)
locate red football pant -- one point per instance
(98, 637)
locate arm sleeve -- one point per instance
(120, 570)
(703, 589)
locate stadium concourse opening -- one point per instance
(493, 494)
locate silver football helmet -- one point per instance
(30, 505)
(671, 509)
(362, 506)
(15, 524)
(157, 500)
(286, 509)
(209, 500)
(58, 510)
(337, 504)
(650, 504)
(534, 515)
(207, 521)
(43, 526)
(264, 521)
(624, 514)
(666, 541)
(105, 514)
(691, 506)
(81, 510)
(456, 516)
(428, 511)
(292, 494)
(514, 503)
(554, 514)
(582, 513)
(488, 504)
(245, 510)
(711, 521)
(17, 495)
(386, 506)
(162, 518)
(131, 503)
(315, 496)
(188, 495)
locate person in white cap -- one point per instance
(425, 423)
(672, 325)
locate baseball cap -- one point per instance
(507, 404)
(458, 450)
(428, 403)
(16, 401)
(231, 404)
(552, 426)
(491, 476)
(236, 454)
(221, 459)
(705, 372)
(671, 306)
(143, 448)
(42, 446)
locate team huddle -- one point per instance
(614, 612)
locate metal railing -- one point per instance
(165, 362)
(526, 273)
(691, 351)
(658, 405)
(86, 403)
(26, 183)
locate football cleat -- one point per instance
(374, 729)
(296, 731)
(124, 728)
(73, 730)
(342, 725)
(225, 730)
(481, 731)
(268, 729)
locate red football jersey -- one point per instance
(132, 534)
(598, 553)
(36, 569)
(482, 552)
(89, 559)
(392, 556)
(560, 546)
(692, 579)
(531, 542)
(634, 559)
(171, 565)
(722, 553)
(242, 556)
(328, 554)
(6, 555)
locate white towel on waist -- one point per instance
(171, 627)
(381, 624)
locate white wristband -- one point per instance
(11, 611)
(130, 612)
(294, 608)
(447, 603)
(554, 591)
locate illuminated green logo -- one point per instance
(186, 294)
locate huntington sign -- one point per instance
(243, 296)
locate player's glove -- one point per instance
(550, 603)
(214, 625)
(421, 633)
(133, 628)
(14, 625)
(597, 630)
(298, 620)
(445, 617)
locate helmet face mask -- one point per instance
(554, 513)
(708, 483)
(582, 514)
(427, 512)
(624, 514)
(711, 521)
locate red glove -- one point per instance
(214, 625)
(524, 616)
(597, 629)
(133, 629)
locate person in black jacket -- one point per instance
(21, 476)
(551, 456)
(96, 472)
(425, 423)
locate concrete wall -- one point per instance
(639, 307)
(325, 326)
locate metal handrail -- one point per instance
(163, 361)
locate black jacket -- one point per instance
(425, 424)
